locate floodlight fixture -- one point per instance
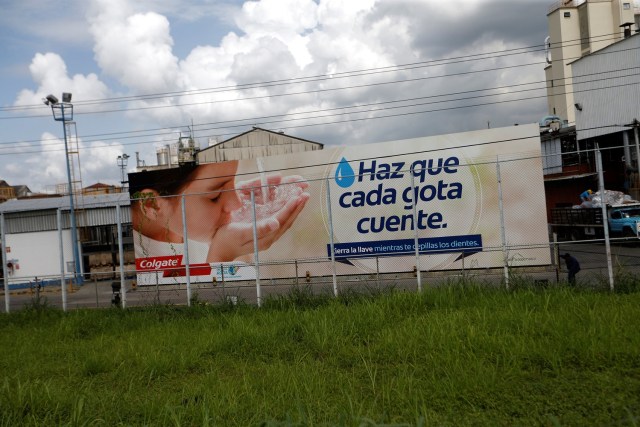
(50, 99)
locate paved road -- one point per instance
(625, 260)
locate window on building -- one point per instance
(569, 149)
(626, 6)
(585, 43)
(567, 14)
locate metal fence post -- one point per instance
(63, 288)
(157, 288)
(605, 220)
(4, 264)
(224, 291)
(95, 288)
(556, 256)
(123, 282)
(333, 252)
(255, 246)
(123, 285)
(185, 240)
(503, 235)
(414, 199)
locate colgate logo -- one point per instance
(158, 263)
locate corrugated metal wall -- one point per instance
(103, 216)
(46, 220)
(257, 143)
(34, 221)
(606, 87)
(552, 156)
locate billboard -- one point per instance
(468, 200)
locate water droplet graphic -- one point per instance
(344, 174)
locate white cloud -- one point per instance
(277, 39)
(459, 7)
(334, 14)
(43, 172)
(133, 44)
(135, 49)
(275, 17)
(49, 72)
(98, 161)
(284, 20)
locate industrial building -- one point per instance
(40, 223)
(31, 223)
(578, 28)
(592, 92)
(254, 143)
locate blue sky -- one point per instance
(186, 52)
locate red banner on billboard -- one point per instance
(194, 270)
(159, 263)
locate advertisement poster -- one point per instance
(358, 199)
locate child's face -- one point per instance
(209, 200)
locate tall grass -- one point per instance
(455, 355)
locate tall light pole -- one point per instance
(122, 164)
(63, 112)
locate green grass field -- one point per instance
(456, 355)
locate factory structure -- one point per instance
(38, 222)
(593, 95)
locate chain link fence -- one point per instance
(403, 225)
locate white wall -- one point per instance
(603, 20)
(612, 97)
(37, 255)
(565, 36)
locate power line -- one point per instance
(463, 73)
(253, 119)
(347, 107)
(333, 163)
(358, 73)
(305, 79)
(425, 151)
(338, 121)
(226, 125)
(280, 95)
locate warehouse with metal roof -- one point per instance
(36, 237)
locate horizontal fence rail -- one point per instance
(435, 223)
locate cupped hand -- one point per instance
(235, 238)
(268, 187)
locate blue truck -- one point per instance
(624, 220)
(587, 223)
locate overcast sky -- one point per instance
(332, 71)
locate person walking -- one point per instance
(573, 267)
